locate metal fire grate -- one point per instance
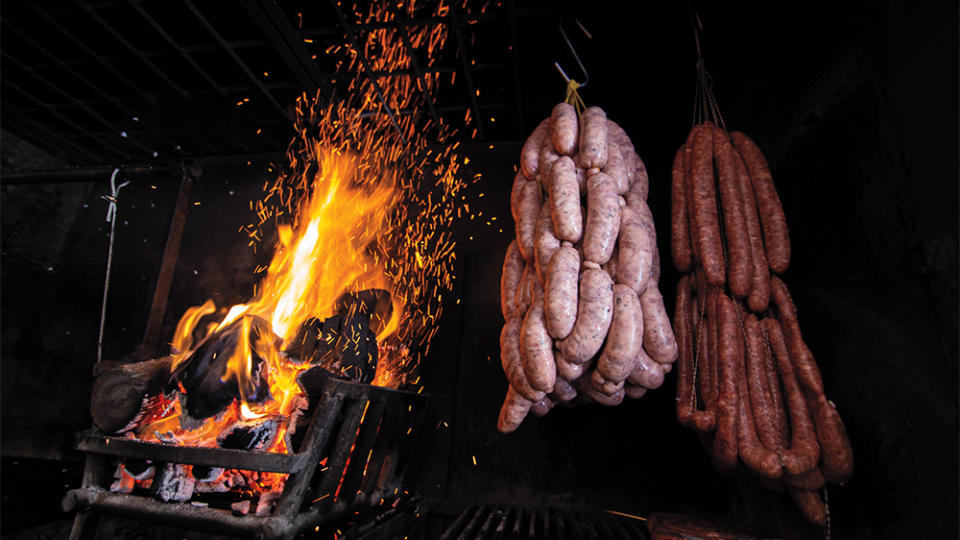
(486, 521)
(355, 427)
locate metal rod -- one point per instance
(135, 4)
(467, 73)
(133, 50)
(327, 482)
(92, 113)
(233, 55)
(110, 148)
(366, 66)
(353, 475)
(151, 336)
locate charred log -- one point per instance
(120, 390)
(205, 391)
(255, 435)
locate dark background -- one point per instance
(855, 106)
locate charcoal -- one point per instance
(173, 482)
(257, 435)
(139, 469)
(200, 374)
(204, 473)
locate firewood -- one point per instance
(120, 389)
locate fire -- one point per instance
(366, 200)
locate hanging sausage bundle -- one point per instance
(746, 380)
(585, 320)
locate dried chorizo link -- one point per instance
(803, 363)
(565, 201)
(564, 128)
(730, 353)
(759, 296)
(511, 362)
(810, 505)
(757, 392)
(705, 420)
(680, 248)
(836, 454)
(804, 451)
(682, 320)
(753, 453)
(530, 153)
(739, 268)
(514, 410)
(593, 138)
(774, 222)
(812, 480)
(704, 217)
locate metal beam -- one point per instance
(27, 128)
(233, 55)
(424, 91)
(30, 97)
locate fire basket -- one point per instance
(356, 446)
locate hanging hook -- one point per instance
(586, 76)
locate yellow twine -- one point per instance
(573, 97)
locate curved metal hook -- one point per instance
(586, 76)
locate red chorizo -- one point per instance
(803, 363)
(635, 265)
(593, 138)
(545, 243)
(682, 320)
(564, 129)
(705, 356)
(739, 268)
(752, 452)
(704, 216)
(536, 348)
(680, 248)
(757, 391)
(513, 264)
(776, 237)
(730, 350)
(560, 292)
(759, 296)
(658, 338)
(804, 452)
(511, 362)
(594, 312)
(603, 218)
(527, 214)
(530, 153)
(565, 201)
(836, 456)
(514, 410)
(810, 505)
(808, 481)
(624, 339)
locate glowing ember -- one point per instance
(362, 203)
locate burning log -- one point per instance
(120, 391)
(208, 385)
(256, 435)
(345, 344)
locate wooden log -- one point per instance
(119, 391)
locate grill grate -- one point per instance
(482, 522)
